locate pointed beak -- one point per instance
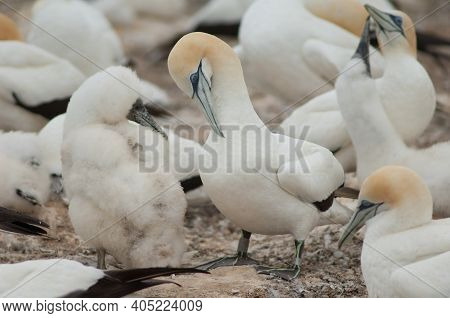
(362, 51)
(365, 212)
(140, 114)
(386, 21)
(202, 91)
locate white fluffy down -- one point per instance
(136, 216)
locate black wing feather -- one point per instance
(15, 222)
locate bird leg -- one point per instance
(240, 259)
(101, 255)
(285, 273)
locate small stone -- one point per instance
(235, 291)
(338, 254)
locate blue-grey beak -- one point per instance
(366, 210)
(202, 91)
(140, 114)
(386, 21)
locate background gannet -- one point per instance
(405, 253)
(377, 143)
(19, 223)
(8, 29)
(116, 205)
(35, 85)
(405, 89)
(296, 39)
(69, 279)
(276, 197)
(92, 50)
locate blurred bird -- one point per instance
(123, 199)
(405, 252)
(19, 223)
(265, 183)
(92, 50)
(22, 188)
(36, 85)
(405, 88)
(377, 143)
(69, 279)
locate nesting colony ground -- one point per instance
(326, 271)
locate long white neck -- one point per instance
(367, 123)
(232, 104)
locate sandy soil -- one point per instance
(326, 271)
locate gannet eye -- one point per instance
(195, 77)
(365, 205)
(397, 20)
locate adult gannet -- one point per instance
(304, 42)
(254, 177)
(19, 223)
(405, 89)
(123, 199)
(92, 50)
(405, 253)
(69, 279)
(35, 85)
(376, 141)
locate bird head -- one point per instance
(8, 29)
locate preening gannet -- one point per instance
(405, 89)
(35, 85)
(304, 42)
(405, 253)
(19, 223)
(69, 279)
(123, 199)
(263, 182)
(376, 141)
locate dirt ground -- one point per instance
(326, 271)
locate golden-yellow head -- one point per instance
(8, 29)
(394, 29)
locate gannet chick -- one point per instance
(36, 85)
(19, 223)
(376, 141)
(123, 199)
(69, 279)
(255, 179)
(50, 140)
(406, 91)
(22, 188)
(405, 253)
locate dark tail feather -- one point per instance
(15, 222)
(120, 283)
(346, 192)
(191, 184)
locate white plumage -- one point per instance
(136, 216)
(405, 90)
(33, 77)
(405, 252)
(376, 141)
(23, 188)
(263, 182)
(294, 41)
